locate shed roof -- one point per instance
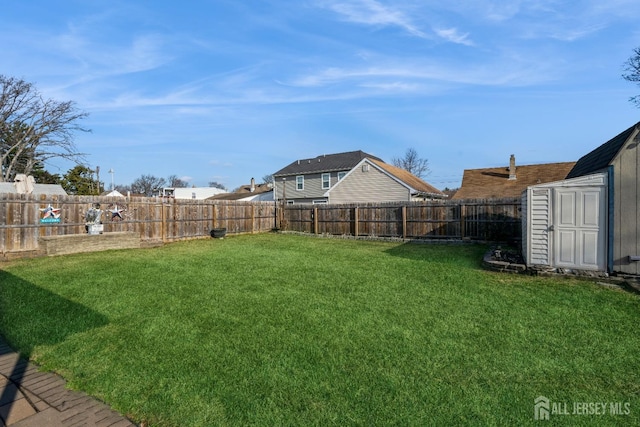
(325, 163)
(601, 157)
(489, 183)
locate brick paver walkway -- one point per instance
(30, 398)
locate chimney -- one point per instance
(512, 167)
(253, 185)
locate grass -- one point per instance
(291, 330)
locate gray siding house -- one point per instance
(350, 177)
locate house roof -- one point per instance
(111, 193)
(242, 192)
(8, 187)
(38, 189)
(325, 163)
(408, 178)
(49, 189)
(492, 183)
(602, 156)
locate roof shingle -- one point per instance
(602, 156)
(325, 163)
(492, 183)
(408, 178)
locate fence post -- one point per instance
(163, 222)
(213, 216)
(253, 219)
(463, 213)
(404, 221)
(355, 222)
(315, 220)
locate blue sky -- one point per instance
(226, 90)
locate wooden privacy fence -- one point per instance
(166, 220)
(153, 219)
(486, 220)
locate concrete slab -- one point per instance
(16, 410)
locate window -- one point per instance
(319, 202)
(365, 167)
(290, 202)
(341, 175)
(326, 181)
(299, 182)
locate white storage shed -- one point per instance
(564, 223)
(590, 220)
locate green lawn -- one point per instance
(290, 330)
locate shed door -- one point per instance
(579, 223)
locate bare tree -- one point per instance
(216, 184)
(33, 129)
(632, 72)
(176, 182)
(412, 163)
(147, 185)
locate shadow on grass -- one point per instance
(31, 316)
(469, 253)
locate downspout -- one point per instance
(610, 218)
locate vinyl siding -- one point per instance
(312, 187)
(371, 186)
(539, 214)
(626, 191)
(526, 236)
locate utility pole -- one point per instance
(111, 172)
(98, 178)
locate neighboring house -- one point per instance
(249, 193)
(27, 185)
(350, 177)
(511, 181)
(590, 219)
(112, 193)
(198, 193)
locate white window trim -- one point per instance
(326, 184)
(297, 184)
(319, 202)
(290, 202)
(341, 175)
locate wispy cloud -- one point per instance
(141, 53)
(372, 12)
(398, 15)
(454, 36)
(504, 70)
